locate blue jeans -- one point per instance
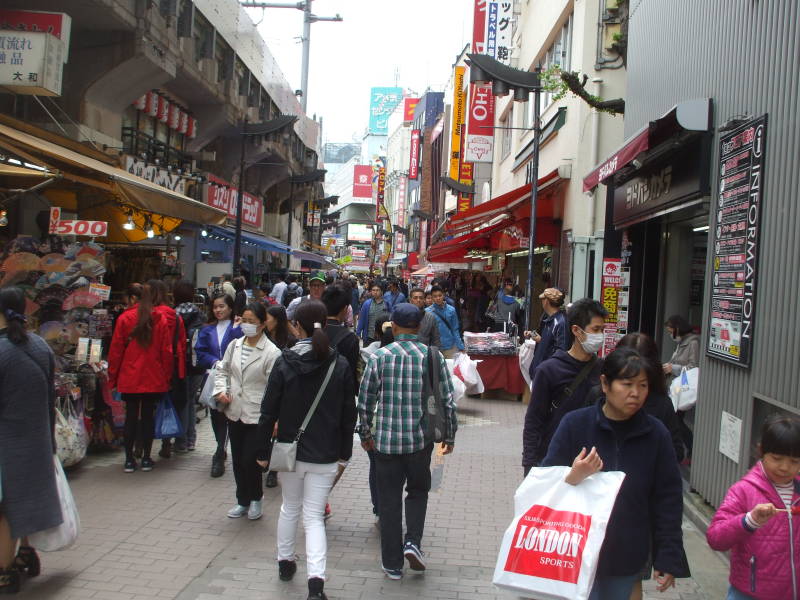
(613, 588)
(734, 594)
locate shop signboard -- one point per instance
(737, 225)
(465, 175)
(479, 142)
(358, 253)
(663, 185)
(155, 174)
(413, 164)
(58, 24)
(380, 208)
(362, 181)
(220, 194)
(400, 219)
(409, 106)
(457, 122)
(31, 63)
(75, 226)
(382, 102)
(504, 15)
(611, 284)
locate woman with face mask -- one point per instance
(687, 354)
(241, 378)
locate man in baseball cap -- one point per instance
(553, 335)
(316, 285)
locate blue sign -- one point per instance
(382, 102)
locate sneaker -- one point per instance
(328, 512)
(254, 512)
(286, 569)
(394, 574)
(272, 479)
(130, 466)
(237, 511)
(414, 556)
(148, 464)
(315, 585)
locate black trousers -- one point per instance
(140, 417)
(219, 423)
(244, 449)
(392, 472)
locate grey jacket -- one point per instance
(687, 354)
(429, 331)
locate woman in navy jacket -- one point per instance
(615, 435)
(212, 341)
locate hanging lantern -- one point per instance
(141, 102)
(151, 104)
(163, 109)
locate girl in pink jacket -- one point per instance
(759, 521)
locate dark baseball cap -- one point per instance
(406, 315)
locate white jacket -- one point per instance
(245, 386)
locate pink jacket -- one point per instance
(764, 562)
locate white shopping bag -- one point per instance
(551, 549)
(683, 389)
(207, 393)
(525, 359)
(466, 369)
(64, 535)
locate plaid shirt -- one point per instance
(391, 396)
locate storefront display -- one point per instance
(498, 363)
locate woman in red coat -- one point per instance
(146, 350)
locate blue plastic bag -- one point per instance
(167, 423)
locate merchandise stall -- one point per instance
(498, 361)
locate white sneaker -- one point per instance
(237, 511)
(254, 512)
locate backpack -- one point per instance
(192, 333)
(290, 294)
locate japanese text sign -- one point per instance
(382, 103)
(31, 63)
(220, 194)
(362, 181)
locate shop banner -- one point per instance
(479, 144)
(409, 106)
(55, 23)
(362, 181)
(737, 227)
(380, 207)
(611, 284)
(31, 63)
(382, 102)
(154, 174)
(457, 121)
(465, 175)
(505, 15)
(222, 195)
(413, 164)
(399, 238)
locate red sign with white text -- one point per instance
(479, 142)
(409, 106)
(220, 194)
(362, 181)
(55, 23)
(413, 165)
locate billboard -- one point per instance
(382, 102)
(457, 118)
(359, 233)
(362, 181)
(479, 142)
(413, 164)
(31, 63)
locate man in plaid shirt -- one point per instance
(390, 407)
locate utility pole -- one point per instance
(308, 19)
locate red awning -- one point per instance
(497, 206)
(629, 150)
(453, 250)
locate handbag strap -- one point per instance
(313, 408)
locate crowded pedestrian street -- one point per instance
(164, 534)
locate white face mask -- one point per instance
(592, 343)
(249, 329)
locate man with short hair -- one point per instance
(372, 309)
(394, 296)
(447, 321)
(428, 327)
(336, 299)
(562, 383)
(316, 285)
(278, 290)
(393, 423)
(507, 308)
(553, 335)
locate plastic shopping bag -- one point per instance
(64, 535)
(466, 370)
(683, 390)
(525, 359)
(207, 393)
(551, 549)
(72, 439)
(167, 423)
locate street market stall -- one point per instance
(498, 362)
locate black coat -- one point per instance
(648, 511)
(293, 384)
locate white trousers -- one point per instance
(306, 490)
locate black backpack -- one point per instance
(290, 294)
(192, 327)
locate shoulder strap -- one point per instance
(441, 318)
(313, 408)
(579, 378)
(338, 336)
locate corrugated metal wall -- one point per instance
(745, 54)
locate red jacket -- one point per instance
(764, 562)
(133, 369)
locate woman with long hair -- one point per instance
(212, 341)
(27, 421)
(147, 348)
(241, 378)
(325, 445)
(278, 328)
(240, 298)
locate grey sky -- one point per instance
(420, 39)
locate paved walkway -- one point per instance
(164, 534)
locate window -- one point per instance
(507, 122)
(559, 53)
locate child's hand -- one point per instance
(763, 512)
(583, 466)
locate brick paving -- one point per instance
(164, 534)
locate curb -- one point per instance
(699, 512)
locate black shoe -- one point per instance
(286, 569)
(315, 589)
(218, 465)
(272, 479)
(148, 464)
(130, 466)
(414, 556)
(27, 562)
(166, 449)
(9, 581)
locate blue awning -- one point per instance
(269, 244)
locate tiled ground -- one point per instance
(164, 534)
